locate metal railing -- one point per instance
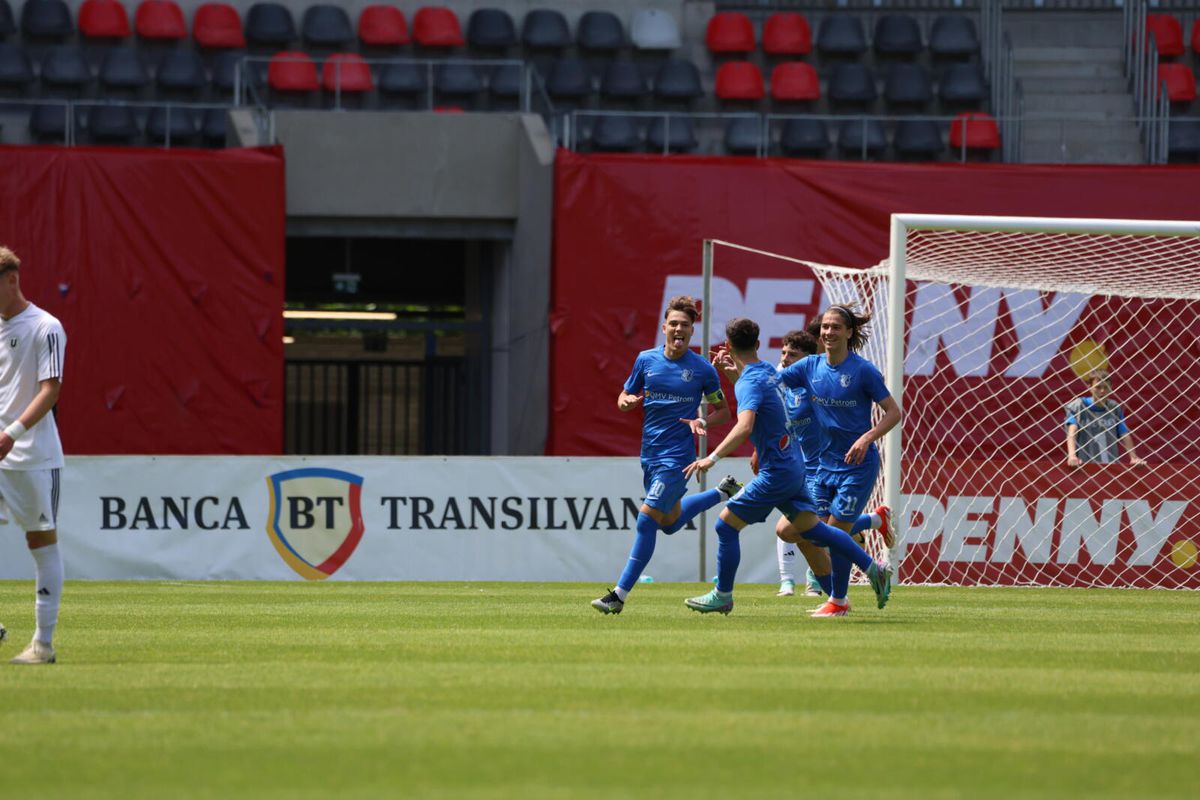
(1152, 105)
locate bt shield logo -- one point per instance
(315, 519)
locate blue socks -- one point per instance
(639, 554)
(729, 555)
(826, 582)
(692, 505)
(839, 544)
(841, 576)
(861, 524)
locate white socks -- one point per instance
(876, 521)
(49, 564)
(787, 559)
(621, 593)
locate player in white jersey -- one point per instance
(32, 343)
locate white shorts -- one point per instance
(31, 498)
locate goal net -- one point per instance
(1003, 332)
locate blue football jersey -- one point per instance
(842, 397)
(671, 390)
(758, 390)
(802, 425)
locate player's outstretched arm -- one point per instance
(739, 433)
(1072, 456)
(1126, 443)
(43, 401)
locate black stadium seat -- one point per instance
(181, 70)
(677, 80)
(506, 83)
(457, 79)
(953, 36)
(918, 138)
(179, 122)
(743, 135)
(676, 135)
(600, 32)
(1183, 137)
(841, 35)
(48, 122)
(852, 83)
(804, 137)
(545, 29)
(46, 20)
(213, 126)
(897, 35)
(270, 24)
(326, 26)
(8, 25)
(569, 79)
(907, 84)
(615, 133)
(124, 68)
(962, 84)
(113, 124)
(16, 68)
(66, 68)
(622, 81)
(856, 136)
(491, 29)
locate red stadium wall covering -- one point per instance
(628, 233)
(167, 271)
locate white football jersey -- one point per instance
(31, 350)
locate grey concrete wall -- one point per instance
(412, 165)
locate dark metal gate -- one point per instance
(376, 407)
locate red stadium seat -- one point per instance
(103, 19)
(437, 26)
(977, 129)
(787, 34)
(350, 69)
(292, 71)
(795, 80)
(1168, 34)
(1180, 81)
(739, 80)
(729, 32)
(161, 20)
(218, 26)
(382, 26)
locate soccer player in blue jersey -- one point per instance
(843, 387)
(807, 434)
(779, 484)
(668, 384)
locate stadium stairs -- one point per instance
(1070, 65)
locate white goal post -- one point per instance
(995, 333)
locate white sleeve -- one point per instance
(51, 345)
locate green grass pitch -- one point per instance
(466, 690)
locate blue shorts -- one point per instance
(765, 493)
(665, 485)
(844, 495)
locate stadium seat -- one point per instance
(729, 32)
(622, 81)
(804, 137)
(615, 133)
(112, 124)
(653, 29)
(841, 35)
(795, 81)
(48, 122)
(962, 84)
(918, 138)
(181, 70)
(1180, 81)
(600, 32)
(382, 26)
(739, 80)
(677, 79)
(103, 19)
(1183, 137)
(66, 68)
(861, 137)
(897, 35)
(16, 68)
(213, 126)
(46, 20)
(326, 26)
(124, 68)
(491, 29)
(568, 79)
(270, 25)
(217, 26)
(292, 71)
(953, 36)
(1196, 36)
(907, 84)
(786, 34)
(1168, 34)
(403, 80)
(674, 135)
(852, 83)
(225, 68)
(545, 29)
(8, 25)
(505, 85)
(160, 20)
(437, 27)
(179, 122)
(978, 131)
(743, 136)
(347, 73)
(457, 80)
